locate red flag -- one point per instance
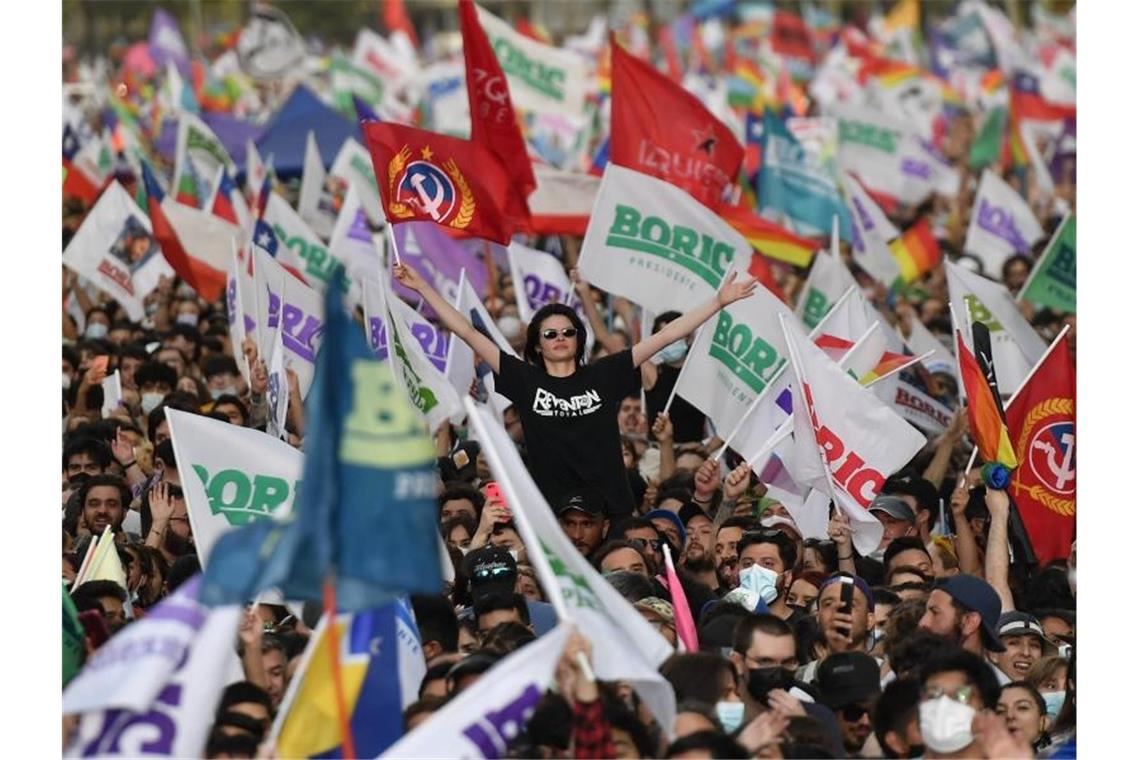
(493, 120)
(689, 147)
(396, 18)
(791, 37)
(1042, 422)
(429, 177)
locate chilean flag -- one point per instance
(210, 283)
(229, 203)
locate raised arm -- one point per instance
(967, 549)
(459, 325)
(997, 547)
(611, 342)
(680, 327)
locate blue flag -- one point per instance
(366, 507)
(797, 185)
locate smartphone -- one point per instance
(846, 600)
(493, 493)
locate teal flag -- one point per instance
(1053, 281)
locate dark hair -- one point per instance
(827, 550)
(244, 691)
(424, 704)
(155, 372)
(435, 618)
(219, 365)
(632, 586)
(96, 590)
(977, 671)
(619, 716)
(609, 547)
(507, 637)
(452, 523)
(884, 595)
(229, 398)
(71, 356)
(693, 675)
(534, 328)
(777, 538)
(900, 545)
(751, 624)
(495, 602)
(106, 480)
(437, 672)
(894, 709)
(551, 723)
(737, 521)
(1008, 263)
(183, 569)
(231, 745)
(925, 583)
(1067, 717)
(909, 653)
(663, 319)
(97, 450)
(633, 523)
(457, 489)
(716, 743)
(250, 725)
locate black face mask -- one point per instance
(763, 680)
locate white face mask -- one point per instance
(761, 581)
(150, 401)
(1053, 702)
(66, 380)
(187, 319)
(673, 352)
(217, 393)
(96, 330)
(945, 724)
(730, 715)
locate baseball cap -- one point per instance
(975, 594)
(658, 607)
(673, 517)
(1020, 623)
(491, 570)
(779, 523)
(860, 584)
(893, 506)
(846, 678)
(689, 510)
(585, 501)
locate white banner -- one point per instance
(284, 300)
(471, 306)
(299, 246)
(828, 280)
(112, 393)
(277, 390)
(653, 243)
(198, 146)
(315, 203)
(204, 236)
(625, 646)
(870, 233)
(151, 690)
(115, 249)
(353, 164)
(1001, 224)
(231, 476)
(352, 244)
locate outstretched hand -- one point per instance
(409, 277)
(732, 291)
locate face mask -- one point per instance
(1053, 702)
(96, 330)
(760, 581)
(150, 401)
(945, 724)
(730, 715)
(217, 393)
(877, 635)
(66, 380)
(674, 352)
(1073, 579)
(187, 319)
(763, 680)
(509, 326)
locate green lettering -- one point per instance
(979, 313)
(269, 493)
(723, 325)
(816, 307)
(722, 255)
(231, 502)
(761, 357)
(684, 241)
(653, 224)
(626, 221)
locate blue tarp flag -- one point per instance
(366, 506)
(797, 185)
(285, 135)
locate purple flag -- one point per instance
(439, 260)
(167, 43)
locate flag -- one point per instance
(313, 205)
(791, 38)
(277, 391)
(692, 149)
(197, 155)
(444, 180)
(1016, 345)
(625, 646)
(352, 167)
(105, 564)
(299, 249)
(460, 355)
(986, 424)
(228, 201)
(904, 15)
(483, 719)
(254, 169)
(74, 639)
(542, 78)
(240, 306)
(152, 689)
(201, 274)
(827, 281)
(654, 244)
(424, 382)
(562, 202)
(541, 280)
(987, 144)
(165, 43)
(1001, 224)
(232, 476)
(382, 665)
(838, 422)
(916, 252)
(370, 512)
(1042, 421)
(771, 239)
(1053, 281)
(493, 121)
(683, 617)
(439, 259)
(115, 248)
(283, 300)
(396, 19)
(870, 231)
(1027, 102)
(871, 146)
(351, 242)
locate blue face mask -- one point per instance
(730, 715)
(761, 581)
(674, 352)
(96, 331)
(1053, 702)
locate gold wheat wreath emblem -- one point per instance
(395, 168)
(1053, 407)
(403, 211)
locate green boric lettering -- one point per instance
(657, 237)
(241, 498)
(816, 307)
(867, 134)
(979, 312)
(546, 79)
(750, 358)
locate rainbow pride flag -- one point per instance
(769, 238)
(916, 251)
(986, 424)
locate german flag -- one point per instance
(769, 238)
(986, 424)
(916, 251)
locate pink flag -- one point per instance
(682, 616)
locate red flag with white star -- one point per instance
(659, 129)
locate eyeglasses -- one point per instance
(567, 332)
(852, 713)
(962, 694)
(653, 543)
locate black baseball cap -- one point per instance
(975, 594)
(491, 570)
(1021, 623)
(846, 678)
(588, 501)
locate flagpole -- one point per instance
(769, 445)
(681, 374)
(392, 242)
(835, 237)
(348, 746)
(1037, 265)
(957, 358)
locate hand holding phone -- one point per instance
(846, 600)
(494, 495)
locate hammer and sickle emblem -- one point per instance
(431, 204)
(1061, 471)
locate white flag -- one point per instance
(231, 475)
(314, 204)
(442, 88)
(540, 279)
(459, 368)
(353, 165)
(352, 244)
(828, 280)
(198, 146)
(151, 690)
(861, 438)
(735, 356)
(299, 246)
(241, 302)
(300, 310)
(922, 341)
(277, 390)
(1016, 345)
(625, 646)
(115, 249)
(255, 170)
(487, 716)
(562, 200)
(542, 78)
(372, 51)
(870, 233)
(1001, 224)
(655, 244)
(204, 236)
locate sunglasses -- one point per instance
(653, 543)
(567, 332)
(852, 713)
(491, 572)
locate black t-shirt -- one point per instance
(570, 425)
(688, 421)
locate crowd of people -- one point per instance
(933, 645)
